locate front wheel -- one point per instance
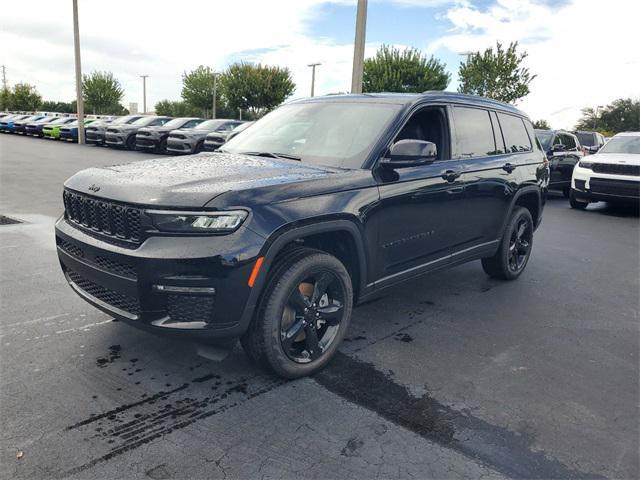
(303, 316)
(515, 247)
(130, 144)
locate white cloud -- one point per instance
(163, 39)
(583, 52)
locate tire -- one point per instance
(575, 203)
(515, 247)
(130, 143)
(199, 147)
(566, 191)
(162, 147)
(294, 278)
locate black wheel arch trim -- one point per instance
(287, 234)
(526, 190)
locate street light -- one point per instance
(358, 47)
(467, 54)
(215, 88)
(79, 100)
(313, 76)
(595, 123)
(144, 93)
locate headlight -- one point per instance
(198, 222)
(586, 164)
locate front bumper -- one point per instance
(211, 145)
(146, 142)
(180, 145)
(182, 286)
(94, 137)
(594, 187)
(115, 139)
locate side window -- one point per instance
(515, 134)
(191, 123)
(429, 124)
(532, 134)
(158, 122)
(474, 132)
(497, 134)
(569, 142)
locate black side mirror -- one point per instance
(558, 147)
(410, 153)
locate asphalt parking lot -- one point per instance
(449, 376)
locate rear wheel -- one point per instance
(575, 203)
(303, 316)
(515, 248)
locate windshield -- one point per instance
(586, 139)
(176, 123)
(63, 120)
(322, 133)
(127, 119)
(622, 144)
(145, 121)
(545, 138)
(210, 124)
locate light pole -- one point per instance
(215, 87)
(467, 54)
(144, 93)
(79, 101)
(313, 76)
(595, 123)
(358, 47)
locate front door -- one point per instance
(419, 206)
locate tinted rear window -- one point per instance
(515, 134)
(474, 132)
(586, 139)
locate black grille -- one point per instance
(623, 188)
(144, 141)
(107, 218)
(122, 269)
(177, 135)
(115, 299)
(616, 169)
(113, 130)
(70, 248)
(190, 308)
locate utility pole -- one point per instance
(467, 54)
(144, 93)
(358, 47)
(313, 76)
(215, 87)
(4, 77)
(79, 100)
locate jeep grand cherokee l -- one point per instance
(275, 238)
(154, 138)
(611, 175)
(124, 135)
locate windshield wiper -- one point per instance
(273, 155)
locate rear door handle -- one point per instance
(450, 175)
(508, 167)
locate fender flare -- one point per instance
(285, 235)
(523, 191)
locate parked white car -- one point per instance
(611, 175)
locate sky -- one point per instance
(584, 52)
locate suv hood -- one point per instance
(190, 181)
(616, 158)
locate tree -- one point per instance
(59, 107)
(541, 124)
(256, 89)
(176, 109)
(393, 70)
(102, 93)
(24, 97)
(5, 98)
(197, 89)
(498, 75)
(620, 115)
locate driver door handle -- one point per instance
(508, 167)
(450, 175)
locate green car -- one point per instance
(52, 130)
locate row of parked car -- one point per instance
(159, 134)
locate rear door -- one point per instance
(489, 176)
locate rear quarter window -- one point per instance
(515, 133)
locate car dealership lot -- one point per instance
(452, 375)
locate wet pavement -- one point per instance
(449, 376)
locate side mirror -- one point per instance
(558, 147)
(410, 153)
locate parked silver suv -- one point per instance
(191, 140)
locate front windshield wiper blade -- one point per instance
(273, 155)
